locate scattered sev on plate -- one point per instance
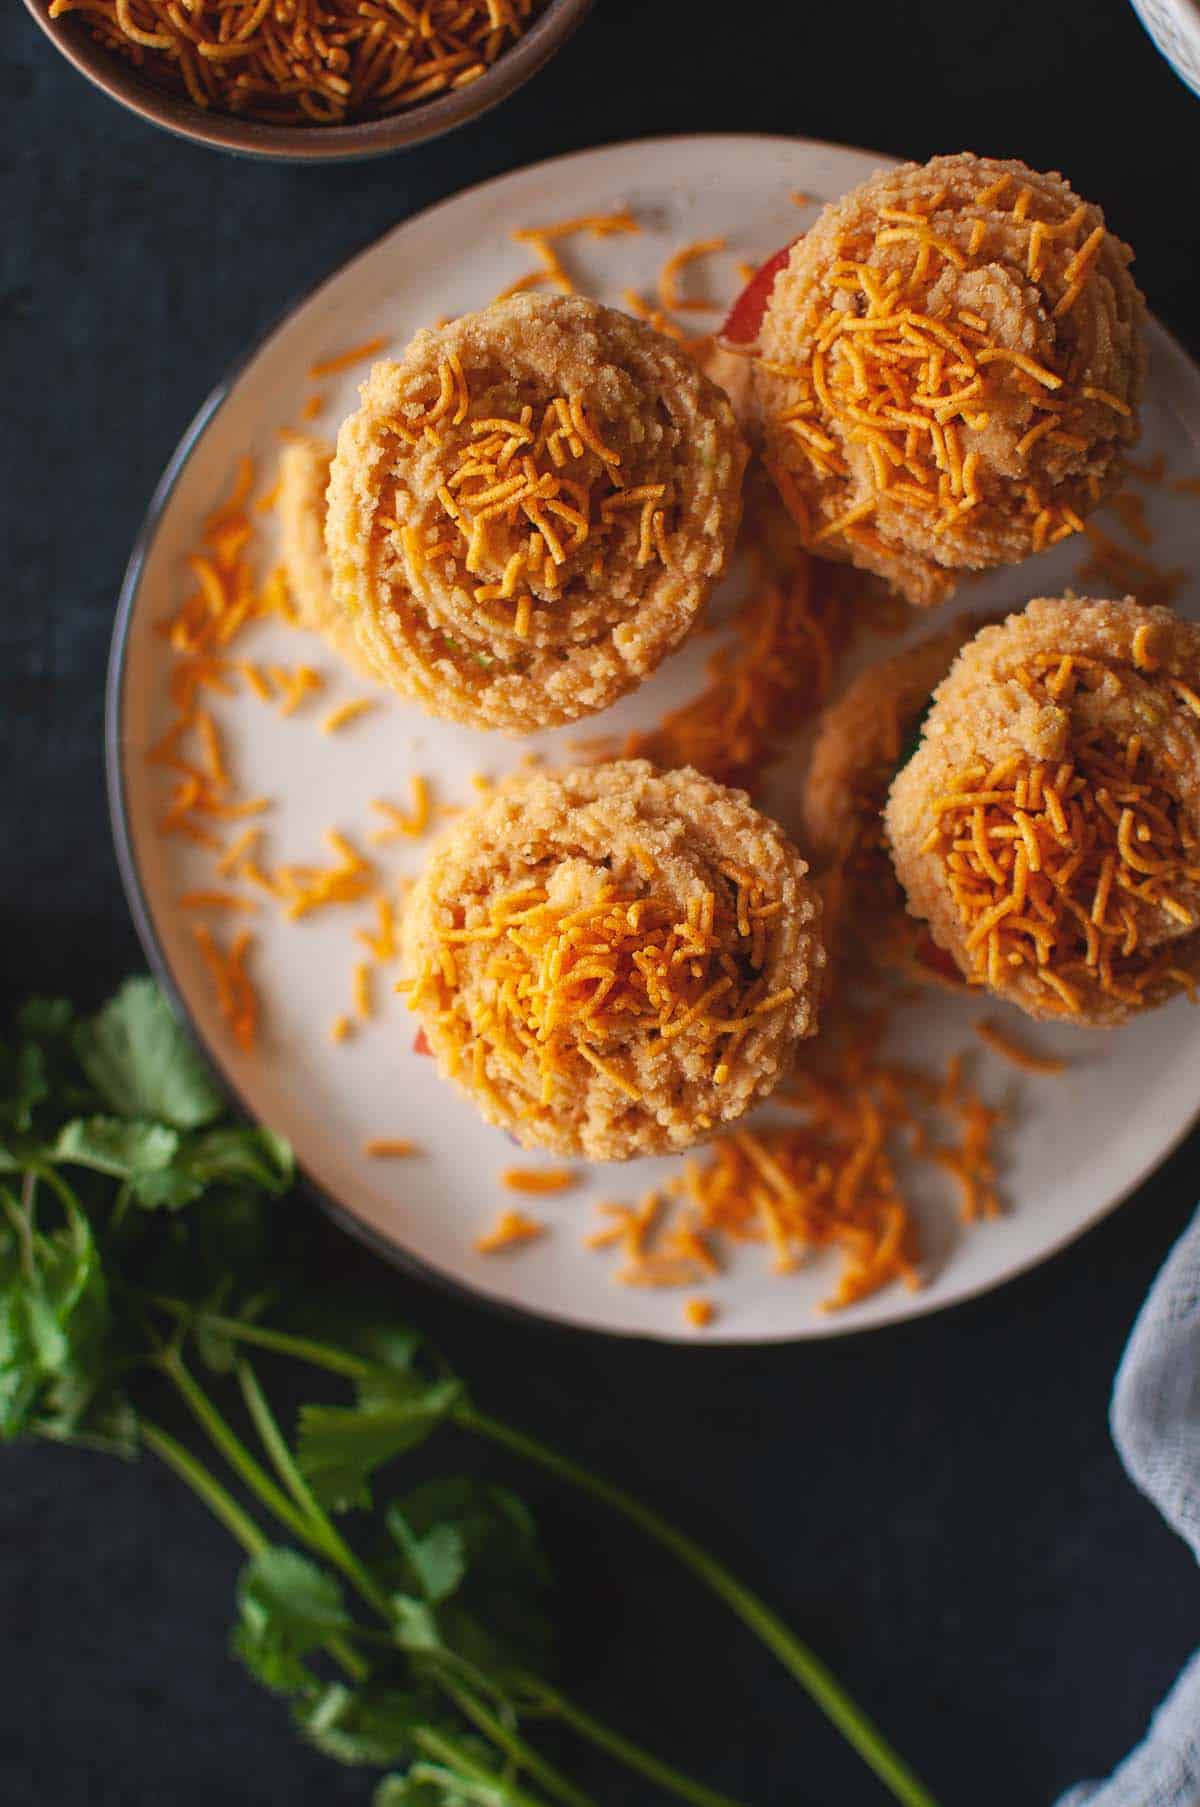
(1003, 1044)
(206, 804)
(511, 1230)
(537, 1179)
(325, 63)
(834, 1179)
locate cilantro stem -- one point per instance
(19, 1218)
(233, 1449)
(312, 1526)
(29, 1186)
(279, 1342)
(238, 1523)
(67, 1196)
(222, 1504)
(472, 1781)
(633, 1755)
(324, 1533)
(121, 1205)
(801, 1662)
(515, 1746)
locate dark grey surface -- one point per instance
(937, 1506)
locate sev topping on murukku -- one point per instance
(526, 496)
(571, 980)
(1060, 870)
(613, 960)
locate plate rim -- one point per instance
(834, 1326)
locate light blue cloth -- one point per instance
(1156, 1428)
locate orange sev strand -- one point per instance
(1002, 1044)
(669, 294)
(345, 360)
(537, 1179)
(345, 713)
(511, 1230)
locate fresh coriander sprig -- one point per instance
(139, 1244)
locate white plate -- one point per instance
(1074, 1146)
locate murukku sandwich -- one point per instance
(1047, 828)
(947, 369)
(530, 509)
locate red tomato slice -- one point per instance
(746, 315)
(421, 1043)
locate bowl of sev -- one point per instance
(312, 80)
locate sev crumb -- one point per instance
(383, 945)
(669, 294)
(408, 825)
(346, 360)
(511, 1230)
(216, 900)
(294, 686)
(1116, 570)
(1131, 511)
(347, 712)
(314, 405)
(364, 1002)
(538, 1179)
(236, 997)
(389, 1148)
(1152, 470)
(1002, 1044)
(341, 1029)
(699, 1313)
(543, 240)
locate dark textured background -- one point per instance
(937, 1506)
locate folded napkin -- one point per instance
(1156, 1428)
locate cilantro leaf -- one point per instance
(433, 1785)
(369, 1724)
(237, 1154)
(142, 1063)
(37, 1072)
(53, 1320)
(23, 1085)
(339, 1447)
(438, 1559)
(118, 1146)
(416, 1626)
(287, 1607)
(494, 1615)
